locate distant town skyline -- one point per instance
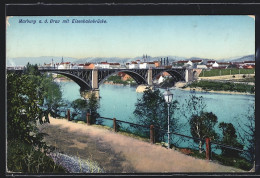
(213, 37)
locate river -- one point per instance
(119, 102)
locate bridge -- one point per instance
(91, 79)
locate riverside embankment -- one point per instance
(116, 153)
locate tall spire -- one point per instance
(62, 59)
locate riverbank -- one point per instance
(112, 83)
(182, 86)
(198, 89)
(117, 153)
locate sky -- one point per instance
(213, 37)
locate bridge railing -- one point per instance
(153, 129)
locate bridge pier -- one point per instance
(150, 77)
(86, 94)
(188, 75)
(94, 79)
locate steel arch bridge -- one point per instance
(91, 79)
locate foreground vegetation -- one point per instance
(223, 86)
(219, 72)
(25, 158)
(237, 162)
(31, 97)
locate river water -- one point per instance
(119, 102)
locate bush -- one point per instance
(24, 158)
(240, 163)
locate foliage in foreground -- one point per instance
(238, 162)
(26, 96)
(22, 157)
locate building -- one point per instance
(157, 63)
(124, 76)
(215, 65)
(102, 65)
(114, 65)
(64, 65)
(189, 64)
(248, 66)
(238, 65)
(197, 62)
(210, 63)
(163, 76)
(133, 65)
(249, 62)
(146, 65)
(201, 66)
(224, 64)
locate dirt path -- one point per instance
(117, 153)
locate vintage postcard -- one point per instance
(130, 94)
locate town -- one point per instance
(144, 64)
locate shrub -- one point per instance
(22, 157)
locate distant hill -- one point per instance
(240, 59)
(21, 61)
(244, 58)
(36, 60)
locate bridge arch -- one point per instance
(178, 76)
(83, 84)
(136, 76)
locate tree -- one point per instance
(151, 109)
(194, 105)
(26, 95)
(248, 133)
(93, 106)
(200, 121)
(79, 106)
(31, 69)
(24, 108)
(52, 95)
(229, 138)
(90, 105)
(202, 126)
